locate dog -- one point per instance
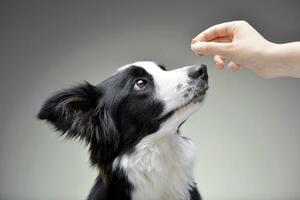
(131, 123)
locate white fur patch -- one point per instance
(160, 168)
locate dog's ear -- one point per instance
(77, 113)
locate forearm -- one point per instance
(285, 59)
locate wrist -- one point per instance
(283, 59)
(274, 61)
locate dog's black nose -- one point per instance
(198, 71)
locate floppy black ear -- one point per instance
(67, 108)
(77, 113)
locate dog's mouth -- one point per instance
(197, 98)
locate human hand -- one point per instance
(239, 43)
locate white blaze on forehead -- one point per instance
(166, 83)
(143, 64)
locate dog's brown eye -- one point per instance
(140, 84)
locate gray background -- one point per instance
(247, 132)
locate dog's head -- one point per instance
(140, 99)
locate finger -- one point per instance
(233, 66)
(221, 39)
(219, 61)
(213, 48)
(198, 54)
(219, 30)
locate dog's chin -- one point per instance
(191, 106)
(195, 100)
(187, 108)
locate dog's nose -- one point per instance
(198, 71)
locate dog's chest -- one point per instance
(160, 169)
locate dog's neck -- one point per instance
(161, 163)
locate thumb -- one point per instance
(212, 48)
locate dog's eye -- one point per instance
(140, 84)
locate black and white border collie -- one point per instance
(130, 123)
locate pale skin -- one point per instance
(243, 47)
